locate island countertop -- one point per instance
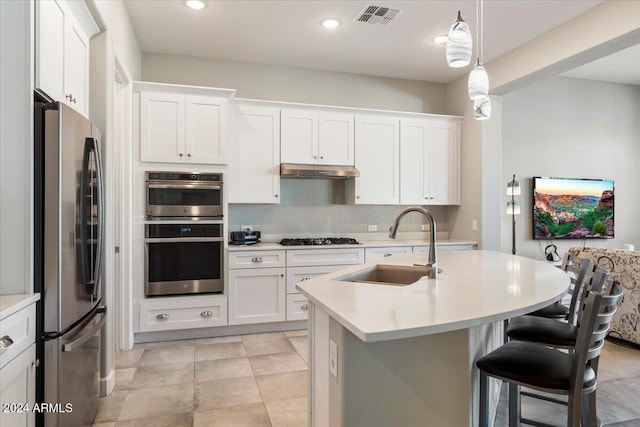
(474, 288)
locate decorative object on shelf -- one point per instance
(459, 43)
(478, 84)
(513, 208)
(482, 108)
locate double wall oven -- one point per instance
(184, 243)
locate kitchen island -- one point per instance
(394, 355)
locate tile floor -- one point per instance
(248, 380)
(261, 380)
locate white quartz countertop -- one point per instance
(363, 244)
(10, 304)
(474, 288)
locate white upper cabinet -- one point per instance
(430, 162)
(179, 128)
(317, 137)
(62, 53)
(377, 149)
(254, 155)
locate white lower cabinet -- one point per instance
(377, 253)
(257, 295)
(166, 314)
(18, 368)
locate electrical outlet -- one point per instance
(372, 228)
(424, 227)
(474, 224)
(333, 358)
(246, 227)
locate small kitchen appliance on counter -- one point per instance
(244, 237)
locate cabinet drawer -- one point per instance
(256, 259)
(300, 274)
(376, 253)
(311, 257)
(297, 307)
(179, 313)
(20, 328)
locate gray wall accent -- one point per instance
(578, 128)
(316, 207)
(278, 83)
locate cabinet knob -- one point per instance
(386, 255)
(180, 154)
(162, 316)
(281, 275)
(431, 198)
(256, 259)
(322, 157)
(206, 313)
(35, 363)
(188, 154)
(305, 278)
(315, 157)
(357, 197)
(304, 307)
(275, 195)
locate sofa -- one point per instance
(625, 268)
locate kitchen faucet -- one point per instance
(431, 265)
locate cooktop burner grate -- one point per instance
(319, 241)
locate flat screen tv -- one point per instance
(572, 208)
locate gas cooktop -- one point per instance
(319, 241)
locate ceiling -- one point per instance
(288, 33)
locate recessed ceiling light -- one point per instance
(441, 40)
(330, 23)
(195, 4)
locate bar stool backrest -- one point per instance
(596, 284)
(578, 269)
(599, 310)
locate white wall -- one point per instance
(16, 147)
(262, 81)
(578, 128)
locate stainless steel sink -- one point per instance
(381, 274)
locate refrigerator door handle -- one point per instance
(87, 333)
(101, 217)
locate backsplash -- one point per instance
(316, 207)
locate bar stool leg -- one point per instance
(484, 401)
(573, 408)
(514, 405)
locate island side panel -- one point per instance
(318, 367)
(421, 381)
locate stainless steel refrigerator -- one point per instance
(69, 217)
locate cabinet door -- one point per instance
(336, 144)
(257, 296)
(443, 169)
(377, 158)
(50, 15)
(206, 130)
(299, 136)
(254, 155)
(76, 66)
(162, 134)
(413, 155)
(17, 386)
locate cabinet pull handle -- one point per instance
(5, 342)
(71, 98)
(256, 259)
(206, 313)
(305, 278)
(162, 316)
(304, 307)
(386, 255)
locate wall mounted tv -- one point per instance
(572, 208)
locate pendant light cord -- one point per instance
(477, 31)
(481, 47)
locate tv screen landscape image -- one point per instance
(571, 208)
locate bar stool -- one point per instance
(550, 370)
(578, 269)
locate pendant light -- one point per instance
(478, 77)
(482, 108)
(459, 43)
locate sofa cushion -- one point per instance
(625, 268)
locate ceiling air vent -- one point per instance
(377, 15)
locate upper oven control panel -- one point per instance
(184, 176)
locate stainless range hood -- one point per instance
(293, 170)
